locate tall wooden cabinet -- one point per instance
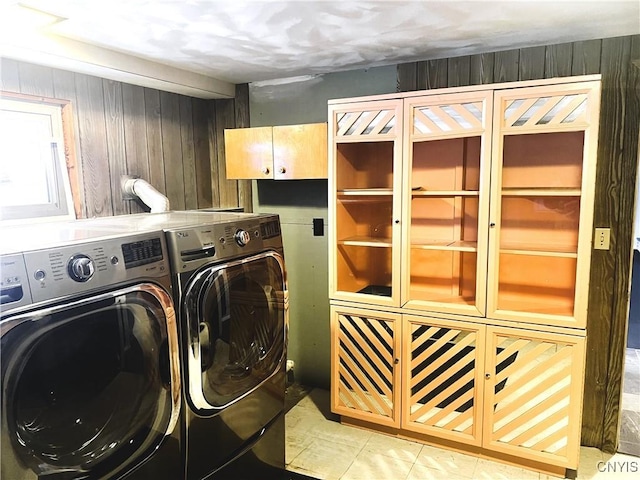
(460, 227)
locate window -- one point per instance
(34, 181)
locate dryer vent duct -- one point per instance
(136, 188)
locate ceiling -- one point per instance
(236, 41)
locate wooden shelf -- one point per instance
(366, 192)
(455, 245)
(445, 193)
(541, 192)
(543, 250)
(361, 241)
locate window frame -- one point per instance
(67, 205)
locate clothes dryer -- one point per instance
(232, 302)
(90, 363)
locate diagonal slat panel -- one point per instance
(454, 387)
(450, 408)
(363, 122)
(421, 119)
(540, 427)
(467, 115)
(376, 326)
(382, 364)
(449, 373)
(515, 385)
(363, 379)
(566, 111)
(372, 376)
(445, 357)
(379, 327)
(356, 389)
(346, 122)
(519, 112)
(383, 122)
(548, 106)
(552, 440)
(437, 345)
(531, 413)
(423, 337)
(446, 119)
(503, 410)
(526, 361)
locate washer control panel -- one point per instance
(14, 284)
(100, 263)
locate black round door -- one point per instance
(89, 388)
(236, 322)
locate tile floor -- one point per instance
(318, 446)
(630, 409)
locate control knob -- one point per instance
(80, 268)
(242, 237)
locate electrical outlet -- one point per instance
(601, 239)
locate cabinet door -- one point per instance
(543, 180)
(364, 202)
(365, 375)
(300, 151)
(249, 152)
(443, 365)
(446, 202)
(533, 395)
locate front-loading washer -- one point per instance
(90, 363)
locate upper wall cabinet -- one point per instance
(287, 152)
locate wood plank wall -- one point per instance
(173, 141)
(615, 189)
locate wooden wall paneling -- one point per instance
(432, 74)
(64, 88)
(172, 149)
(154, 139)
(458, 71)
(506, 66)
(586, 57)
(532, 62)
(202, 158)
(224, 118)
(629, 50)
(406, 77)
(482, 66)
(558, 60)
(9, 75)
(93, 146)
(114, 122)
(188, 153)
(135, 137)
(602, 278)
(35, 80)
(241, 105)
(213, 152)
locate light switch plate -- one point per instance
(601, 239)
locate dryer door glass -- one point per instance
(87, 387)
(236, 316)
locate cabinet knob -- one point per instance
(396, 361)
(492, 224)
(487, 376)
(282, 170)
(265, 170)
(397, 221)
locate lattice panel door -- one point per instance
(370, 121)
(364, 374)
(443, 375)
(533, 392)
(449, 115)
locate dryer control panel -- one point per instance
(191, 247)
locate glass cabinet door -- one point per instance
(542, 203)
(363, 183)
(447, 143)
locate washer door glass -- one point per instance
(236, 317)
(88, 387)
